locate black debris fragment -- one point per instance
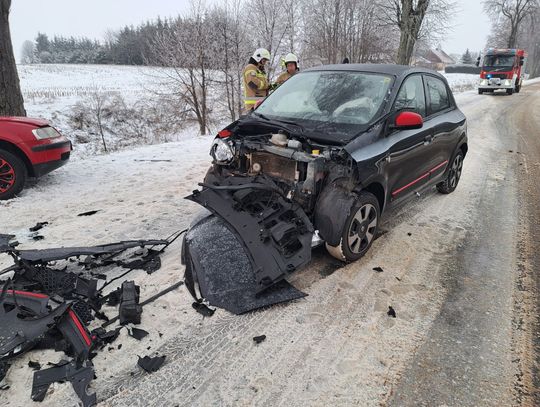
(398, 279)
(391, 312)
(20, 334)
(38, 226)
(76, 334)
(113, 298)
(409, 234)
(119, 346)
(78, 375)
(259, 339)
(34, 365)
(137, 333)
(89, 213)
(151, 364)
(130, 311)
(149, 300)
(150, 262)
(38, 237)
(105, 337)
(203, 309)
(378, 269)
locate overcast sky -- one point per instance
(93, 18)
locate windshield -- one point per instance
(341, 99)
(498, 61)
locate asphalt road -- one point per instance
(459, 270)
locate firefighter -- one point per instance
(291, 64)
(256, 83)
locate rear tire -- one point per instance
(359, 230)
(12, 175)
(453, 176)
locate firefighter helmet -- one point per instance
(290, 57)
(260, 54)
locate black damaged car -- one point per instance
(328, 152)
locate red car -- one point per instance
(28, 148)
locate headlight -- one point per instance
(45, 132)
(222, 151)
(507, 82)
(483, 82)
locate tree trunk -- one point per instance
(512, 40)
(11, 100)
(409, 25)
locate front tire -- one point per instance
(480, 91)
(12, 175)
(509, 91)
(359, 230)
(453, 176)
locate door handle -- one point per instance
(428, 139)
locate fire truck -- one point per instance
(502, 69)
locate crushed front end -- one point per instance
(261, 193)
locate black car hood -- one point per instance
(326, 134)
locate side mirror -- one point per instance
(408, 120)
(521, 62)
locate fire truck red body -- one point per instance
(502, 69)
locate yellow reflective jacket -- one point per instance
(283, 77)
(255, 86)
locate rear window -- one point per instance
(438, 94)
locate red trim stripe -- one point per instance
(438, 166)
(81, 329)
(427, 174)
(26, 294)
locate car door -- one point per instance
(407, 159)
(440, 108)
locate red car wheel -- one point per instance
(12, 175)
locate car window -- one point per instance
(338, 97)
(411, 96)
(438, 95)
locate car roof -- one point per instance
(388, 69)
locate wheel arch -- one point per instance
(377, 189)
(13, 149)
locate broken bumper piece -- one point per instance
(239, 257)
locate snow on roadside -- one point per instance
(460, 82)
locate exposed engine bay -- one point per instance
(266, 189)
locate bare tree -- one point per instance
(190, 52)
(28, 53)
(97, 102)
(11, 100)
(514, 12)
(416, 19)
(232, 48)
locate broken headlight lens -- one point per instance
(222, 151)
(45, 132)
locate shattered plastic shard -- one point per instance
(151, 364)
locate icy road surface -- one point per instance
(457, 271)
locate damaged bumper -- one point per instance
(268, 236)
